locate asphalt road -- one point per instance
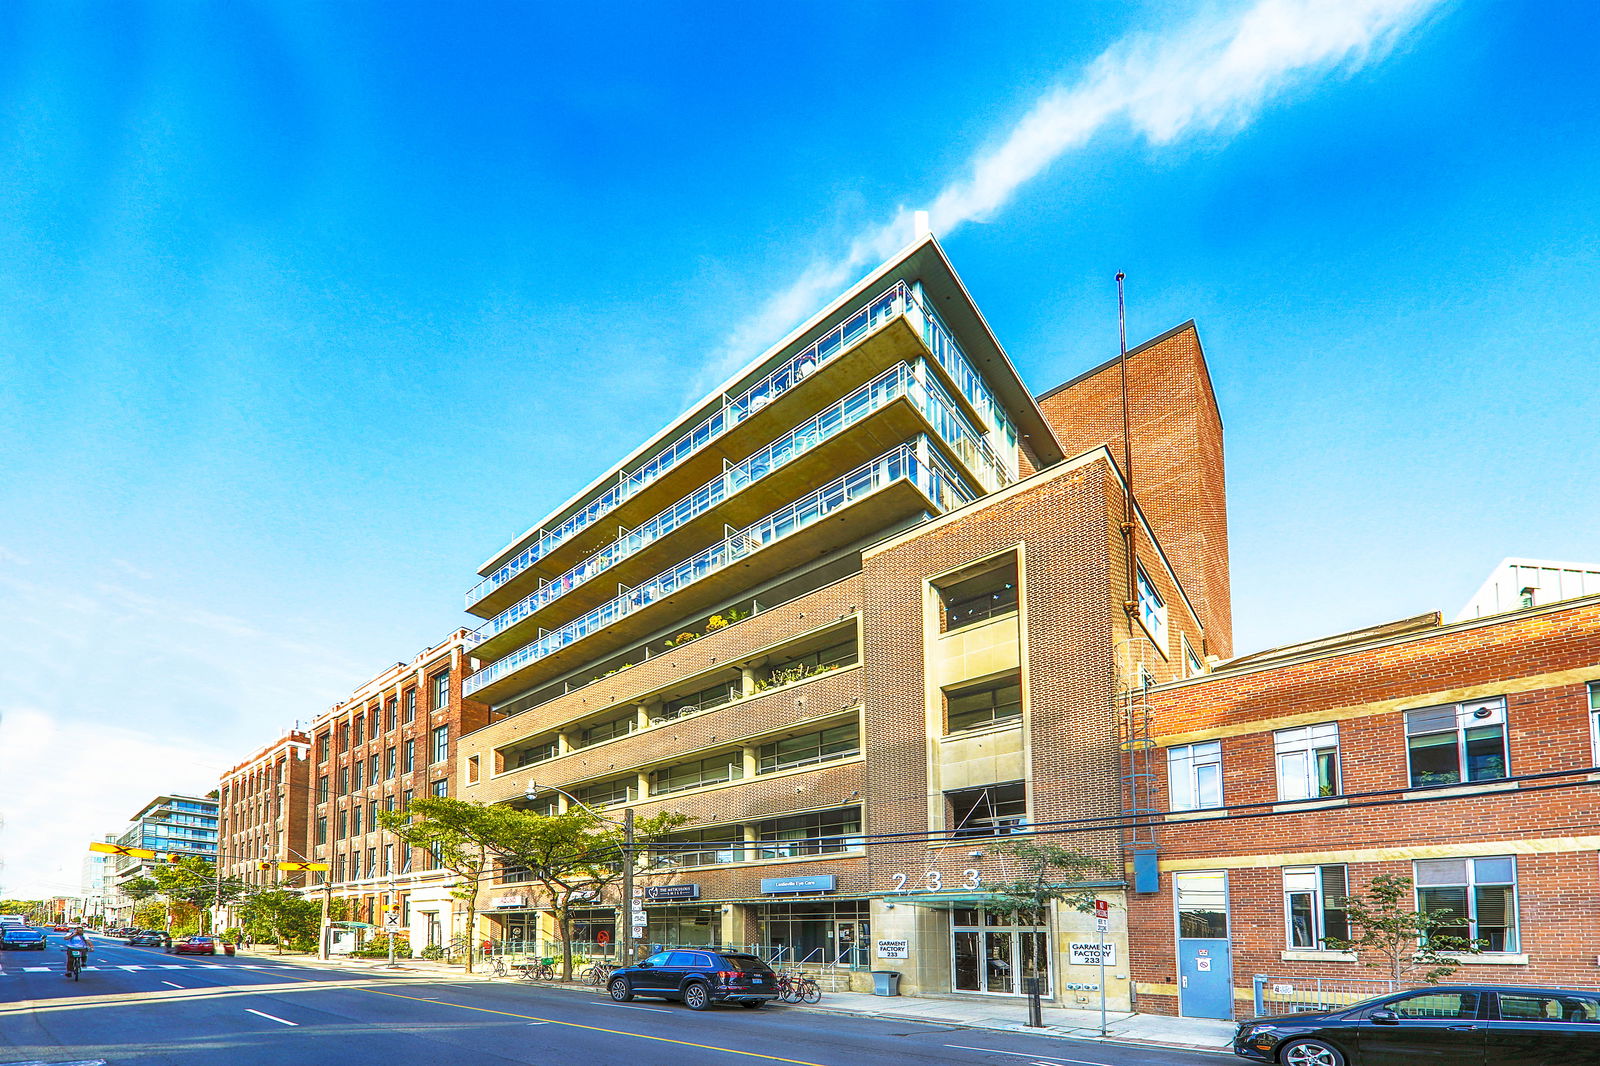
(140, 1006)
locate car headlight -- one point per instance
(1259, 1030)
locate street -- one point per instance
(140, 1006)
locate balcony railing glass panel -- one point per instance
(915, 461)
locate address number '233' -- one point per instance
(933, 881)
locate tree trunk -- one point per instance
(565, 915)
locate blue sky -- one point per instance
(309, 308)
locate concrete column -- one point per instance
(643, 712)
(643, 788)
(740, 926)
(747, 680)
(752, 762)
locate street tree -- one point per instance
(280, 916)
(450, 830)
(1045, 873)
(1407, 944)
(140, 889)
(193, 881)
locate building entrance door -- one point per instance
(991, 957)
(1205, 958)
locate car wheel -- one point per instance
(620, 991)
(1311, 1053)
(750, 1004)
(696, 996)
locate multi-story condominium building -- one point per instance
(168, 825)
(1531, 583)
(1460, 756)
(859, 613)
(264, 807)
(389, 742)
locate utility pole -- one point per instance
(327, 899)
(627, 887)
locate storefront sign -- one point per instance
(894, 949)
(1088, 954)
(774, 885)
(511, 901)
(664, 893)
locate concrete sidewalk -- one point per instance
(1008, 1015)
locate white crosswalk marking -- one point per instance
(133, 967)
(37, 969)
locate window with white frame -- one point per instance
(1311, 899)
(1308, 761)
(1594, 718)
(1194, 776)
(1152, 608)
(1477, 897)
(1457, 742)
(1193, 665)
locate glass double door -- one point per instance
(995, 958)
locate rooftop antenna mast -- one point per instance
(1131, 604)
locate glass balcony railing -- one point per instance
(915, 462)
(911, 380)
(895, 301)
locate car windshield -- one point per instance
(746, 964)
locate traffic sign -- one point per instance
(119, 849)
(1102, 909)
(1102, 924)
(391, 920)
(303, 866)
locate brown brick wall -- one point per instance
(1178, 471)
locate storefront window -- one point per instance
(994, 952)
(824, 932)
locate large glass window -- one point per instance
(1311, 896)
(610, 729)
(977, 599)
(702, 847)
(837, 743)
(821, 661)
(1194, 776)
(1478, 897)
(441, 788)
(1152, 608)
(411, 705)
(1202, 902)
(620, 790)
(819, 833)
(1457, 742)
(711, 770)
(703, 700)
(991, 703)
(993, 810)
(391, 714)
(441, 690)
(536, 752)
(389, 764)
(1308, 761)
(355, 775)
(441, 744)
(322, 748)
(358, 726)
(411, 755)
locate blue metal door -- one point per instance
(1205, 961)
(1205, 978)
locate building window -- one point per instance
(605, 793)
(411, 755)
(702, 847)
(405, 799)
(1193, 665)
(358, 725)
(1311, 898)
(538, 751)
(411, 705)
(512, 874)
(839, 742)
(1456, 742)
(977, 599)
(436, 853)
(355, 775)
(341, 829)
(820, 833)
(441, 789)
(338, 865)
(472, 769)
(1308, 761)
(1194, 776)
(389, 764)
(1152, 608)
(372, 722)
(388, 803)
(441, 744)
(372, 769)
(1477, 896)
(608, 730)
(344, 780)
(800, 667)
(991, 703)
(704, 700)
(993, 810)
(391, 713)
(441, 690)
(322, 830)
(322, 789)
(714, 770)
(322, 747)
(355, 819)
(372, 862)
(1594, 717)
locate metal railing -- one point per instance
(913, 462)
(899, 299)
(1288, 995)
(909, 380)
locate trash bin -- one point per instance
(886, 982)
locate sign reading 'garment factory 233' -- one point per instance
(774, 885)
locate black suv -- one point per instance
(699, 977)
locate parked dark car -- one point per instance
(153, 938)
(1462, 1024)
(699, 977)
(22, 937)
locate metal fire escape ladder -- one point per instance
(1136, 751)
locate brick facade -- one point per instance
(263, 814)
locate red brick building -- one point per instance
(1460, 756)
(263, 814)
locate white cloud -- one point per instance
(1214, 72)
(67, 784)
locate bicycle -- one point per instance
(497, 965)
(75, 961)
(543, 970)
(598, 973)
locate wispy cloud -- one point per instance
(1215, 72)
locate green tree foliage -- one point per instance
(1045, 873)
(150, 914)
(193, 881)
(139, 889)
(378, 948)
(277, 916)
(449, 828)
(1403, 942)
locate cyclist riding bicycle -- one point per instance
(77, 946)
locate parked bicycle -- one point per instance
(543, 970)
(496, 964)
(798, 988)
(598, 973)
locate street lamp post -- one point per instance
(625, 910)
